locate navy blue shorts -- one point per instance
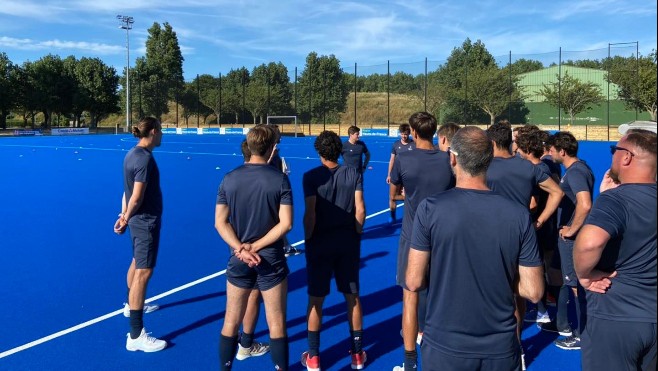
(434, 360)
(271, 271)
(614, 345)
(145, 235)
(337, 254)
(403, 261)
(566, 262)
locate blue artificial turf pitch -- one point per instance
(64, 269)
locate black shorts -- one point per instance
(434, 360)
(614, 345)
(337, 254)
(271, 271)
(145, 235)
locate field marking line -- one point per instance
(167, 152)
(120, 311)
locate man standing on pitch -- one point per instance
(252, 214)
(410, 170)
(477, 260)
(355, 153)
(141, 210)
(404, 144)
(577, 184)
(615, 260)
(333, 221)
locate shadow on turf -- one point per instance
(378, 336)
(381, 230)
(193, 300)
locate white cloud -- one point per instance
(59, 45)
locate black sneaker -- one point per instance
(568, 343)
(552, 327)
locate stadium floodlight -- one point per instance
(127, 24)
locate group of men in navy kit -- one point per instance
(469, 246)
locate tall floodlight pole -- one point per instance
(127, 24)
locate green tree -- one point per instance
(525, 65)
(209, 93)
(402, 83)
(637, 82)
(234, 86)
(54, 88)
(98, 82)
(27, 96)
(436, 97)
(571, 95)
(162, 76)
(323, 88)
(459, 76)
(493, 90)
(8, 88)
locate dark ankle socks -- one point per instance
(410, 360)
(246, 340)
(313, 343)
(136, 323)
(357, 338)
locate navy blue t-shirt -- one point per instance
(253, 193)
(139, 166)
(556, 169)
(514, 178)
(353, 154)
(546, 235)
(276, 161)
(398, 147)
(577, 178)
(334, 197)
(422, 173)
(477, 240)
(628, 214)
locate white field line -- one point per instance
(314, 158)
(120, 311)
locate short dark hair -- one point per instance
(643, 139)
(328, 145)
(246, 153)
(474, 150)
(448, 130)
(353, 129)
(260, 139)
(144, 127)
(277, 131)
(424, 124)
(501, 134)
(404, 128)
(564, 140)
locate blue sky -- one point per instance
(218, 35)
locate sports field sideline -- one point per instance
(64, 268)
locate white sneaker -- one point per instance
(256, 349)
(543, 317)
(148, 308)
(145, 343)
(401, 368)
